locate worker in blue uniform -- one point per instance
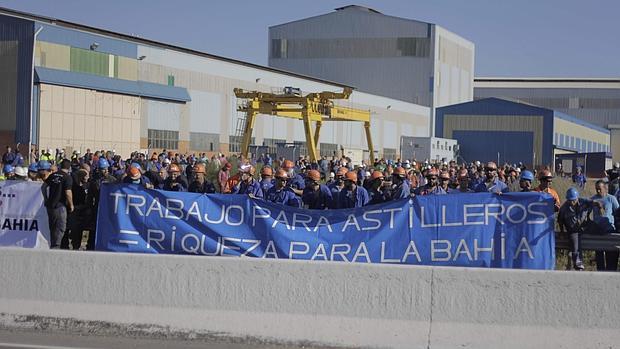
(432, 184)
(352, 195)
(377, 192)
(400, 186)
(525, 182)
(492, 184)
(316, 196)
(175, 181)
(280, 193)
(266, 181)
(248, 185)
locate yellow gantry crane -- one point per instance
(313, 107)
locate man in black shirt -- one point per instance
(81, 218)
(58, 201)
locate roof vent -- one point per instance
(358, 7)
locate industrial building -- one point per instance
(508, 131)
(66, 85)
(593, 100)
(431, 149)
(400, 58)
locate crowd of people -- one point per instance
(73, 183)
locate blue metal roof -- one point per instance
(105, 84)
(583, 123)
(494, 106)
(81, 39)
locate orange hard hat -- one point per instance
(266, 171)
(376, 175)
(174, 168)
(200, 168)
(288, 164)
(314, 175)
(351, 176)
(280, 173)
(342, 171)
(444, 175)
(463, 174)
(432, 172)
(400, 171)
(545, 174)
(134, 172)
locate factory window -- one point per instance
(350, 48)
(170, 80)
(556, 139)
(90, 62)
(204, 141)
(234, 145)
(271, 144)
(163, 139)
(328, 149)
(561, 140)
(572, 142)
(589, 146)
(578, 143)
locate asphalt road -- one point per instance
(29, 339)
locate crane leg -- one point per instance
(311, 145)
(371, 149)
(247, 134)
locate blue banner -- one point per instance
(514, 230)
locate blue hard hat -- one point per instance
(8, 168)
(527, 175)
(44, 165)
(103, 163)
(136, 165)
(33, 167)
(572, 194)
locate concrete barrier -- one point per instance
(318, 302)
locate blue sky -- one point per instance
(548, 38)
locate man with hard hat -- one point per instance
(134, 176)
(444, 181)
(33, 173)
(175, 181)
(9, 172)
(546, 178)
(352, 195)
(579, 178)
(200, 184)
(463, 183)
(316, 196)
(400, 186)
(338, 184)
(266, 182)
(573, 219)
(280, 193)
(248, 185)
(296, 182)
(491, 184)
(377, 193)
(102, 176)
(525, 182)
(432, 184)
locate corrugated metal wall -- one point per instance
(511, 146)
(16, 50)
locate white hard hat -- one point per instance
(414, 163)
(477, 163)
(21, 171)
(407, 166)
(367, 174)
(617, 165)
(332, 175)
(407, 162)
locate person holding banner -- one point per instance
(266, 174)
(295, 181)
(546, 178)
(33, 173)
(432, 185)
(200, 183)
(248, 185)
(463, 183)
(316, 196)
(280, 193)
(176, 181)
(352, 196)
(492, 184)
(525, 182)
(135, 177)
(604, 218)
(377, 191)
(400, 185)
(338, 184)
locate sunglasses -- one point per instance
(490, 169)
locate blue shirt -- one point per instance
(252, 188)
(427, 190)
(401, 191)
(496, 186)
(143, 181)
(297, 182)
(266, 184)
(317, 200)
(377, 197)
(350, 199)
(610, 205)
(284, 196)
